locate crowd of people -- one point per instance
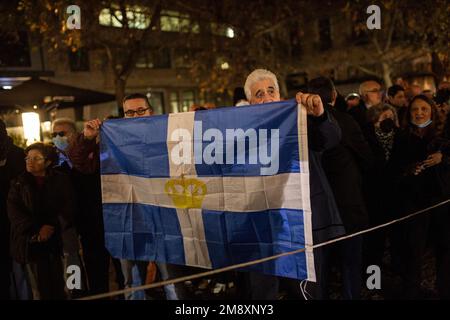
(373, 157)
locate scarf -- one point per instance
(386, 140)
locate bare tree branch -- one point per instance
(377, 45)
(274, 27)
(123, 10)
(207, 13)
(392, 27)
(138, 44)
(368, 71)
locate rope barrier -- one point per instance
(250, 263)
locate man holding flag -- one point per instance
(324, 133)
(84, 153)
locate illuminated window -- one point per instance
(173, 21)
(154, 59)
(188, 100)
(138, 17)
(174, 102)
(156, 101)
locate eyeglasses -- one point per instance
(34, 159)
(139, 112)
(60, 133)
(375, 91)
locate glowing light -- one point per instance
(31, 127)
(225, 66)
(230, 33)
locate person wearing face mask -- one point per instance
(383, 126)
(63, 130)
(380, 133)
(420, 163)
(88, 215)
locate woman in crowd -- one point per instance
(379, 194)
(40, 208)
(420, 162)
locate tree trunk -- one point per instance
(437, 68)
(386, 74)
(120, 92)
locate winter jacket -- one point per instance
(30, 207)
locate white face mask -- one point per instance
(61, 143)
(422, 125)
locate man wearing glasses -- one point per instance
(85, 147)
(134, 105)
(371, 95)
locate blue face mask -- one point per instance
(61, 143)
(423, 125)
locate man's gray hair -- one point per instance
(258, 75)
(363, 86)
(62, 121)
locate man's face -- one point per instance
(399, 100)
(63, 130)
(372, 93)
(264, 91)
(136, 108)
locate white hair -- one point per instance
(258, 75)
(63, 121)
(242, 103)
(363, 86)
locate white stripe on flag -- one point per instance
(180, 121)
(304, 178)
(191, 221)
(234, 194)
(195, 246)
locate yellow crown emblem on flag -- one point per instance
(186, 193)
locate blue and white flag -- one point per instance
(210, 188)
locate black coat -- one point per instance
(88, 203)
(446, 133)
(323, 134)
(343, 165)
(433, 184)
(359, 113)
(29, 208)
(15, 164)
(378, 182)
